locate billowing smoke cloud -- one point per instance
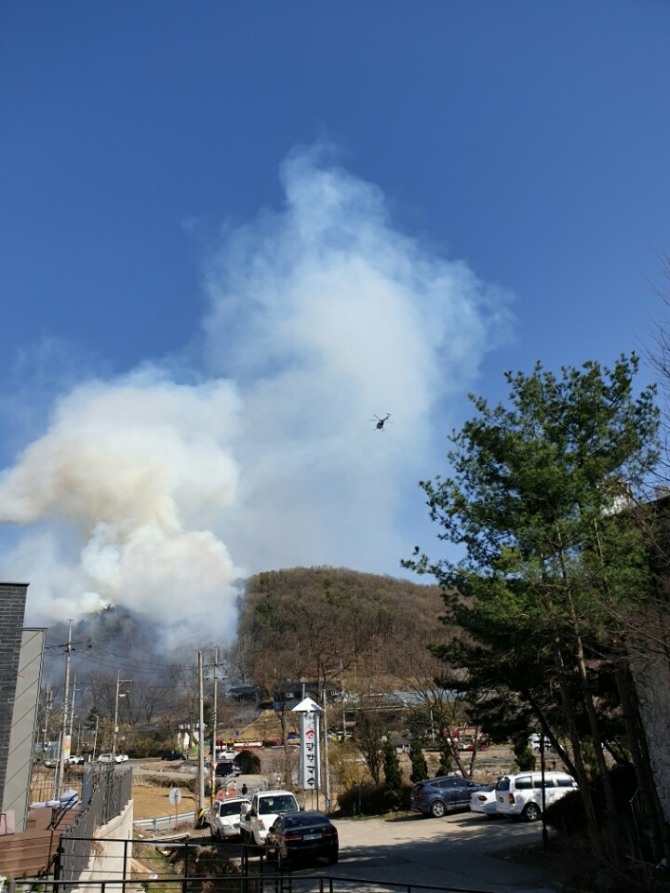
(160, 494)
(128, 478)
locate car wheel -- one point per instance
(438, 809)
(333, 857)
(532, 812)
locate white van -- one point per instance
(257, 817)
(537, 741)
(521, 794)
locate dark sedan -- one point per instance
(438, 796)
(172, 755)
(302, 835)
(224, 768)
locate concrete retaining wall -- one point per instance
(106, 861)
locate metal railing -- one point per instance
(110, 791)
(231, 883)
(189, 867)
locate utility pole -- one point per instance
(215, 713)
(215, 721)
(74, 694)
(326, 761)
(119, 694)
(63, 735)
(47, 711)
(95, 739)
(201, 737)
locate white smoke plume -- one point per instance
(126, 478)
(160, 493)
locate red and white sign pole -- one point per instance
(310, 762)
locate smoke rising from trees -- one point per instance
(161, 488)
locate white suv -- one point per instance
(521, 794)
(224, 817)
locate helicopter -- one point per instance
(379, 423)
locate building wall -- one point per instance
(651, 674)
(19, 762)
(12, 610)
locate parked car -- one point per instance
(470, 744)
(521, 794)
(438, 796)
(224, 768)
(224, 817)
(112, 758)
(484, 800)
(76, 759)
(223, 754)
(537, 741)
(302, 835)
(171, 755)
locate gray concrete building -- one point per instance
(21, 655)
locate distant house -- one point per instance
(288, 693)
(245, 693)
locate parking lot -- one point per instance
(462, 851)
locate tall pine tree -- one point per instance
(539, 508)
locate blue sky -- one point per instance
(233, 233)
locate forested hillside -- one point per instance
(325, 624)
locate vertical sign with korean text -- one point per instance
(309, 751)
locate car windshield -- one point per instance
(276, 804)
(229, 809)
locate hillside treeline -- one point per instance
(333, 625)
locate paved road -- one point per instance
(459, 852)
(462, 851)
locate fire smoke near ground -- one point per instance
(253, 450)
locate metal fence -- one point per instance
(43, 781)
(108, 790)
(189, 867)
(242, 884)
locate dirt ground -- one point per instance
(152, 802)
